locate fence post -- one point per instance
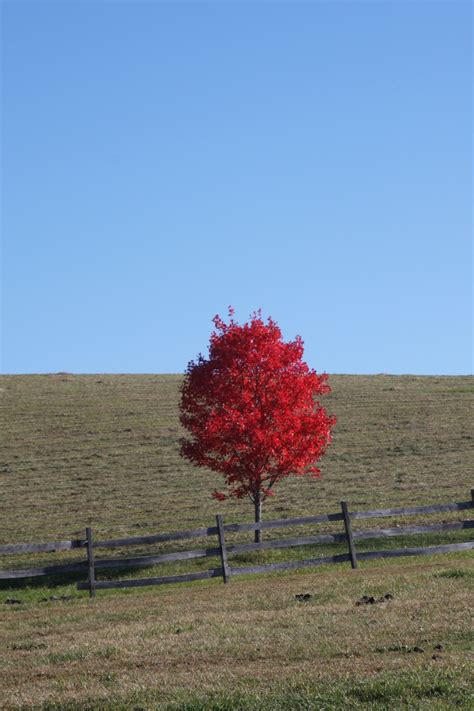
(223, 549)
(90, 562)
(350, 539)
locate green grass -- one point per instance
(456, 573)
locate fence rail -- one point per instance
(20, 548)
(223, 550)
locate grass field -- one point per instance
(103, 451)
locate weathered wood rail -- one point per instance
(223, 551)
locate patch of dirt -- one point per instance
(370, 600)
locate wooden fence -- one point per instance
(223, 550)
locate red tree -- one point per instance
(251, 409)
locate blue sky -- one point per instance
(163, 160)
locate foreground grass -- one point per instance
(251, 644)
(410, 690)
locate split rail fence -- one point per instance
(223, 550)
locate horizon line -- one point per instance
(320, 372)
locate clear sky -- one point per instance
(163, 160)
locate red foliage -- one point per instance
(251, 408)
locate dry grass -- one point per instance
(251, 636)
(103, 450)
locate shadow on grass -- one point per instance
(259, 557)
(64, 579)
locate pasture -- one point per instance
(102, 450)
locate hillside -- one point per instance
(103, 449)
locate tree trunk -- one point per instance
(258, 517)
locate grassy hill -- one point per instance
(103, 450)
